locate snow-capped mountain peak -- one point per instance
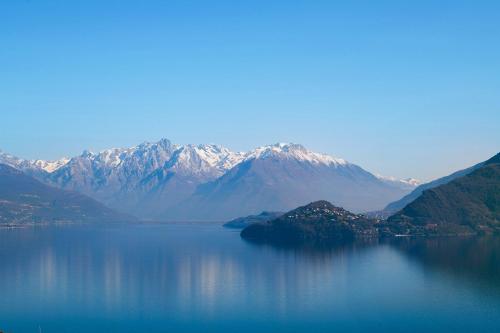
(294, 151)
(9, 160)
(146, 152)
(152, 178)
(409, 183)
(111, 157)
(203, 159)
(51, 166)
(412, 181)
(161, 145)
(219, 157)
(18, 163)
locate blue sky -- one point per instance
(403, 88)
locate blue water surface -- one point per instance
(193, 277)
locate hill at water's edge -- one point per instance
(318, 221)
(466, 205)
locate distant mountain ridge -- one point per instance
(242, 222)
(32, 166)
(162, 180)
(409, 183)
(24, 200)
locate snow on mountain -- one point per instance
(112, 171)
(144, 176)
(51, 166)
(188, 167)
(407, 183)
(203, 159)
(282, 176)
(411, 181)
(293, 151)
(10, 160)
(165, 180)
(18, 163)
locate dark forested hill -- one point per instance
(318, 221)
(396, 206)
(469, 204)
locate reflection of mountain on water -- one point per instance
(193, 278)
(311, 249)
(473, 259)
(196, 269)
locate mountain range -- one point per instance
(165, 181)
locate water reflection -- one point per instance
(186, 278)
(472, 259)
(122, 271)
(318, 250)
(476, 259)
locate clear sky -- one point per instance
(402, 88)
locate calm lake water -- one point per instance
(204, 278)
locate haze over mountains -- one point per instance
(166, 181)
(25, 200)
(284, 176)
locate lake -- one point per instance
(189, 277)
